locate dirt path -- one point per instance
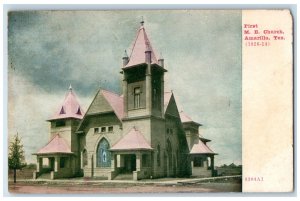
(96, 189)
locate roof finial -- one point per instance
(125, 54)
(142, 22)
(70, 87)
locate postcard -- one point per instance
(159, 101)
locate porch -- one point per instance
(132, 165)
(202, 165)
(55, 158)
(54, 166)
(133, 154)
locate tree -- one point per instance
(16, 159)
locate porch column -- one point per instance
(113, 162)
(212, 163)
(138, 161)
(39, 164)
(120, 161)
(192, 166)
(57, 164)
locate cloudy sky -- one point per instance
(48, 51)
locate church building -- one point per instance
(138, 134)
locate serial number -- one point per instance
(257, 44)
(254, 179)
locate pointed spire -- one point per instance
(141, 45)
(142, 22)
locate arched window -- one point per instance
(103, 154)
(137, 97)
(158, 155)
(84, 158)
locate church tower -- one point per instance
(143, 103)
(62, 150)
(64, 123)
(66, 119)
(143, 79)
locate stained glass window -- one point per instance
(103, 154)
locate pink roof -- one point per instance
(133, 140)
(70, 108)
(137, 55)
(115, 101)
(201, 148)
(184, 117)
(56, 145)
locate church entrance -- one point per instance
(129, 163)
(51, 163)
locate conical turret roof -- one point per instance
(140, 45)
(70, 108)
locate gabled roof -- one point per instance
(133, 140)
(140, 45)
(115, 101)
(170, 106)
(70, 108)
(104, 102)
(56, 145)
(201, 148)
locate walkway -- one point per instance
(161, 181)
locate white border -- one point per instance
(152, 4)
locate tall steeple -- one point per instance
(141, 45)
(143, 79)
